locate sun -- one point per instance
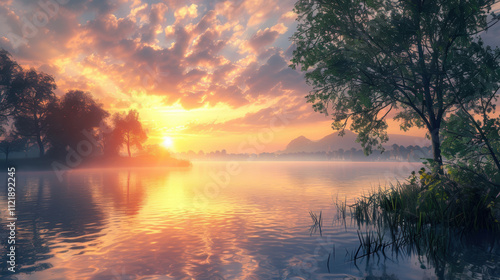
(168, 142)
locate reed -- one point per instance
(425, 211)
(317, 223)
(341, 208)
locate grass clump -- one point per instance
(427, 199)
(425, 214)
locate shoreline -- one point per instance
(48, 164)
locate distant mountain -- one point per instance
(300, 143)
(334, 142)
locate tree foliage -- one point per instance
(70, 117)
(8, 70)
(35, 114)
(413, 58)
(32, 93)
(472, 141)
(129, 131)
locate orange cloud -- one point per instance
(266, 37)
(197, 57)
(190, 11)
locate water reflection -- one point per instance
(441, 252)
(447, 257)
(48, 213)
(146, 224)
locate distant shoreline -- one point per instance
(48, 164)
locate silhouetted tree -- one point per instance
(12, 144)
(8, 70)
(352, 151)
(395, 151)
(341, 153)
(70, 117)
(192, 154)
(32, 93)
(129, 131)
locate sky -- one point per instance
(209, 74)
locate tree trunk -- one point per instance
(128, 146)
(436, 151)
(40, 145)
(38, 137)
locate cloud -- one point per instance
(109, 28)
(190, 11)
(271, 78)
(253, 13)
(187, 54)
(152, 21)
(293, 111)
(266, 37)
(491, 37)
(288, 16)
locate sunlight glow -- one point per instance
(168, 142)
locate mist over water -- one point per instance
(202, 222)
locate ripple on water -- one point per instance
(144, 224)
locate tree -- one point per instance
(129, 130)
(70, 117)
(367, 58)
(32, 93)
(8, 70)
(12, 144)
(395, 151)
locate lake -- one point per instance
(215, 220)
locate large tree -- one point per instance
(129, 131)
(32, 93)
(68, 119)
(417, 58)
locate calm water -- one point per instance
(212, 221)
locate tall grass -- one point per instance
(423, 213)
(341, 208)
(431, 200)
